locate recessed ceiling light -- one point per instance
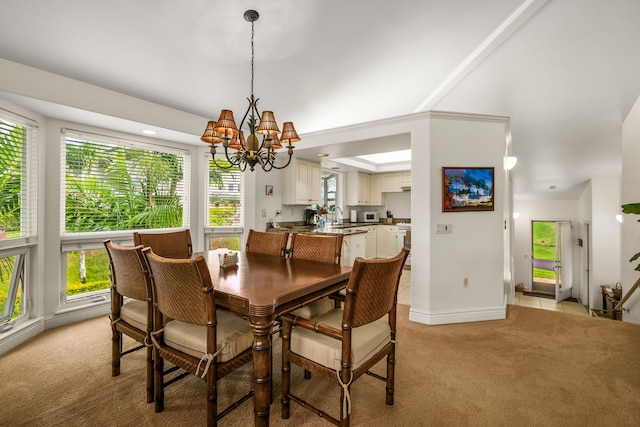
(322, 155)
(149, 132)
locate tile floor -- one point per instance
(404, 297)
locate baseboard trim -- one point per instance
(459, 316)
(21, 334)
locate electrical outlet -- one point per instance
(465, 283)
(264, 213)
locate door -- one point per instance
(563, 260)
(552, 259)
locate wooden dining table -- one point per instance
(261, 288)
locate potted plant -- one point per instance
(633, 208)
(630, 208)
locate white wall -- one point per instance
(605, 235)
(399, 204)
(475, 248)
(630, 194)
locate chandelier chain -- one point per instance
(252, 58)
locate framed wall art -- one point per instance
(466, 189)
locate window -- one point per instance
(328, 189)
(112, 187)
(224, 215)
(18, 196)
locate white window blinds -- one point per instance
(112, 184)
(18, 176)
(225, 196)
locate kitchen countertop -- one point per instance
(346, 228)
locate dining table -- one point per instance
(261, 288)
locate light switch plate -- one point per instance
(444, 228)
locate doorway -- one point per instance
(551, 259)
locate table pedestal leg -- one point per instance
(262, 372)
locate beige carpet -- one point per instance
(536, 368)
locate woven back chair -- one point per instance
(173, 244)
(345, 343)
(262, 242)
(320, 248)
(134, 318)
(190, 333)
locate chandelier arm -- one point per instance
(282, 167)
(213, 159)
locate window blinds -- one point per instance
(112, 184)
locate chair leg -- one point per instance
(285, 333)
(212, 398)
(150, 380)
(158, 380)
(116, 350)
(391, 367)
(345, 416)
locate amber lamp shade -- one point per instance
(210, 136)
(226, 124)
(289, 134)
(268, 125)
(237, 142)
(275, 142)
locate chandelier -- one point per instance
(239, 152)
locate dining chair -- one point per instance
(133, 316)
(320, 248)
(343, 344)
(189, 332)
(268, 243)
(172, 244)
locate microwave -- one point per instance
(371, 217)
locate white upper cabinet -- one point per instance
(358, 189)
(391, 182)
(406, 179)
(377, 197)
(364, 189)
(301, 183)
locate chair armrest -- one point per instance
(312, 325)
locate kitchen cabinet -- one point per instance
(370, 240)
(391, 182)
(406, 179)
(352, 246)
(377, 198)
(358, 189)
(364, 189)
(387, 241)
(301, 183)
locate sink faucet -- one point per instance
(335, 215)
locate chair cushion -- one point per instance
(314, 309)
(234, 335)
(367, 340)
(134, 312)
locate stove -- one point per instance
(404, 239)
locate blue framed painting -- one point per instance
(467, 189)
